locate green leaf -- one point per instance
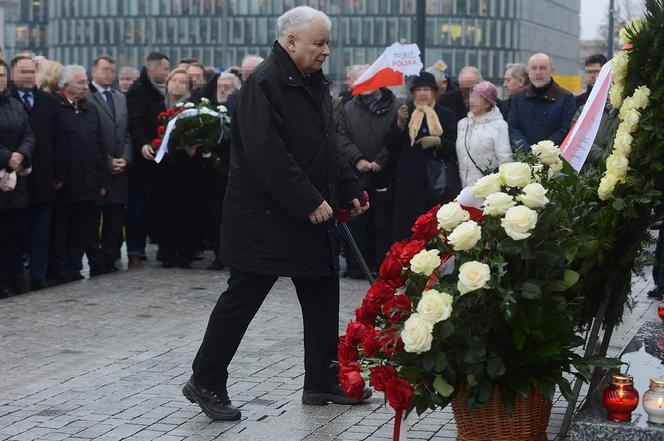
(531, 291)
(476, 352)
(520, 384)
(429, 361)
(442, 387)
(569, 279)
(547, 386)
(471, 380)
(565, 389)
(484, 391)
(441, 362)
(445, 329)
(495, 367)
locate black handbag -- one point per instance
(444, 183)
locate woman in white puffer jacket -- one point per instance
(482, 142)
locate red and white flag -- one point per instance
(579, 140)
(390, 68)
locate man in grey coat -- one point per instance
(112, 108)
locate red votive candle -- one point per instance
(620, 398)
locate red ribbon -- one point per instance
(398, 416)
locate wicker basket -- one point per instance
(490, 421)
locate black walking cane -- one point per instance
(343, 216)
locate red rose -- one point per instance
(380, 292)
(161, 130)
(347, 353)
(380, 375)
(370, 343)
(170, 112)
(409, 250)
(426, 227)
(352, 382)
(397, 309)
(363, 315)
(156, 143)
(399, 394)
(391, 267)
(354, 332)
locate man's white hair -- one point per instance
(473, 70)
(299, 18)
(252, 59)
(67, 74)
(128, 70)
(229, 76)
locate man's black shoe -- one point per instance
(656, 293)
(36, 285)
(216, 265)
(215, 405)
(335, 395)
(5, 292)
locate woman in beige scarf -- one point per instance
(424, 132)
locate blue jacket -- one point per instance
(535, 118)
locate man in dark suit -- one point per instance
(149, 89)
(287, 176)
(86, 173)
(48, 162)
(112, 109)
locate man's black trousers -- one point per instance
(236, 307)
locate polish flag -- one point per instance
(390, 68)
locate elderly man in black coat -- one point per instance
(48, 162)
(287, 177)
(85, 177)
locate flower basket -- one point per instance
(527, 422)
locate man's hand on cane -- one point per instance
(358, 208)
(322, 213)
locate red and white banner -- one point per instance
(389, 69)
(579, 140)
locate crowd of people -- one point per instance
(78, 176)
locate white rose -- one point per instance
(623, 142)
(205, 100)
(615, 95)
(619, 67)
(515, 174)
(606, 186)
(546, 151)
(616, 164)
(465, 236)
(472, 276)
(450, 215)
(533, 196)
(538, 172)
(425, 262)
(486, 185)
(188, 105)
(417, 334)
(497, 204)
(555, 167)
(630, 120)
(222, 108)
(179, 105)
(518, 221)
(435, 306)
(641, 97)
(204, 111)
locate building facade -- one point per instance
(485, 33)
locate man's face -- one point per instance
(125, 82)
(592, 71)
(225, 87)
(3, 79)
(75, 90)
(248, 68)
(512, 85)
(196, 76)
(24, 74)
(468, 80)
(158, 71)
(540, 70)
(308, 47)
(103, 73)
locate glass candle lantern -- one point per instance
(653, 401)
(620, 398)
(660, 312)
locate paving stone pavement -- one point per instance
(105, 359)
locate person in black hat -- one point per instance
(422, 138)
